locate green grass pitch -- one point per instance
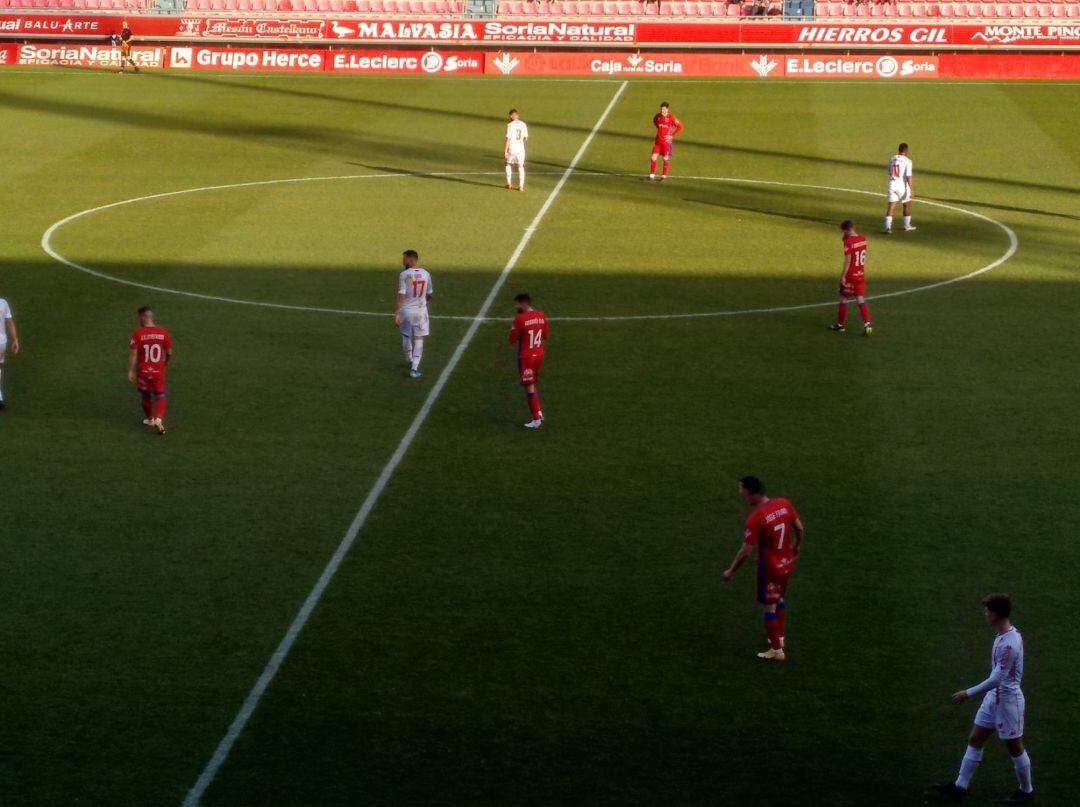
(531, 618)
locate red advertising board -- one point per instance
(202, 57)
(7, 52)
(761, 34)
(406, 61)
(762, 65)
(70, 54)
(1009, 65)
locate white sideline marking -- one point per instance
(221, 753)
(46, 244)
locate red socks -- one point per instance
(147, 407)
(781, 621)
(534, 404)
(666, 166)
(864, 309)
(652, 167)
(772, 630)
(841, 313)
(159, 407)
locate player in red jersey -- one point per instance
(530, 332)
(149, 357)
(774, 528)
(667, 127)
(853, 279)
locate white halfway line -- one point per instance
(251, 702)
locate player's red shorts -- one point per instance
(771, 586)
(855, 287)
(529, 369)
(663, 147)
(151, 385)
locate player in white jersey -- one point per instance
(411, 313)
(9, 340)
(899, 190)
(517, 133)
(1002, 708)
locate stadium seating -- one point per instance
(711, 9)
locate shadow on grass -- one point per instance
(325, 139)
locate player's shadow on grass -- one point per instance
(762, 211)
(1007, 208)
(491, 182)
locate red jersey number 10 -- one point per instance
(152, 353)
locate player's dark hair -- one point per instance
(998, 604)
(511, 112)
(902, 148)
(144, 310)
(523, 298)
(847, 224)
(411, 253)
(752, 484)
(665, 103)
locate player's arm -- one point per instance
(997, 675)
(676, 129)
(506, 147)
(799, 531)
(515, 332)
(740, 557)
(13, 334)
(910, 182)
(133, 360)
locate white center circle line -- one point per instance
(51, 251)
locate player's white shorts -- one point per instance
(515, 157)
(415, 322)
(898, 192)
(1004, 714)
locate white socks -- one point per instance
(888, 222)
(1, 379)
(1022, 765)
(509, 175)
(406, 348)
(907, 221)
(417, 353)
(521, 176)
(972, 758)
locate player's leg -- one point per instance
(772, 627)
(3, 351)
(890, 206)
(781, 621)
(406, 338)
(528, 370)
(417, 353)
(973, 755)
(509, 175)
(521, 174)
(841, 314)
(421, 327)
(864, 312)
(532, 397)
(652, 163)
(667, 165)
(907, 215)
(1010, 718)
